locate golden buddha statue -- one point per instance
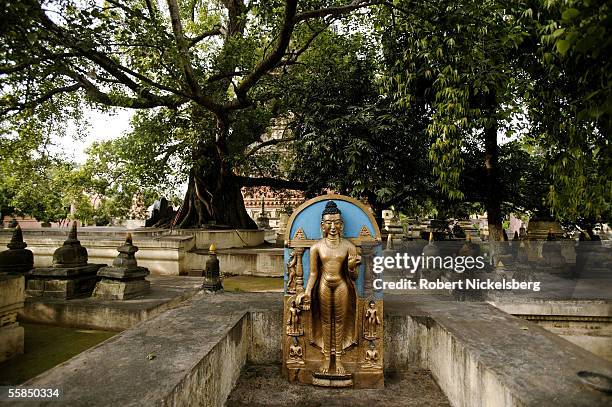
(330, 292)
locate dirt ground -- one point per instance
(263, 385)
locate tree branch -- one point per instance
(270, 61)
(268, 143)
(47, 96)
(335, 11)
(183, 48)
(8, 69)
(152, 15)
(98, 96)
(210, 33)
(270, 182)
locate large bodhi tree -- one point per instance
(214, 62)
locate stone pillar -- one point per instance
(12, 296)
(212, 273)
(282, 228)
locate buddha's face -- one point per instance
(332, 225)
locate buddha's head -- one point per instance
(331, 220)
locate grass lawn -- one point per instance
(250, 283)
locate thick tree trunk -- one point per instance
(213, 194)
(493, 201)
(212, 199)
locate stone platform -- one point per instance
(162, 251)
(111, 315)
(193, 355)
(259, 261)
(264, 386)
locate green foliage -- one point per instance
(30, 176)
(571, 107)
(540, 71)
(457, 58)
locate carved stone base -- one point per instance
(362, 362)
(120, 290)
(332, 380)
(212, 284)
(62, 283)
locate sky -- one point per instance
(103, 126)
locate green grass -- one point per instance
(250, 283)
(45, 347)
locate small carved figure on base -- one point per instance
(293, 322)
(291, 268)
(295, 352)
(371, 321)
(371, 356)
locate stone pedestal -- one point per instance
(62, 283)
(12, 296)
(124, 279)
(70, 276)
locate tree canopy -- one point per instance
(401, 103)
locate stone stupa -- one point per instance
(124, 279)
(70, 275)
(17, 259)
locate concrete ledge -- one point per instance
(579, 308)
(586, 323)
(223, 239)
(260, 262)
(161, 255)
(162, 251)
(481, 356)
(112, 315)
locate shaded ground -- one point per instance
(253, 284)
(263, 385)
(45, 347)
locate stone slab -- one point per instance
(123, 273)
(65, 272)
(11, 341)
(108, 315)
